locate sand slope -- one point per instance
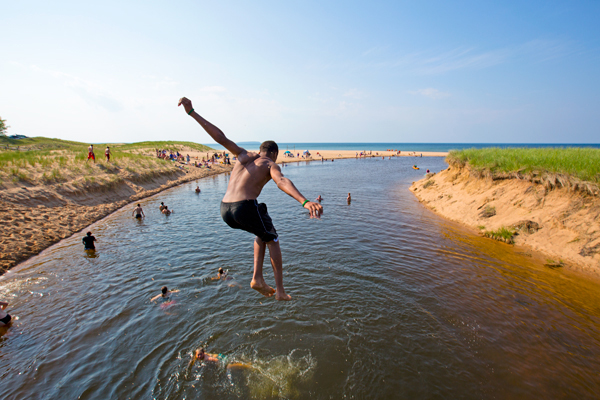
(36, 216)
(563, 224)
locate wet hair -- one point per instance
(269, 147)
(162, 203)
(220, 270)
(89, 233)
(164, 290)
(138, 205)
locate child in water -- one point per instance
(201, 355)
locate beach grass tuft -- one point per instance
(502, 234)
(429, 183)
(557, 164)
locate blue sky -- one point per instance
(310, 71)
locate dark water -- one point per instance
(438, 147)
(390, 301)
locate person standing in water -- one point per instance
(139, 213)
(349, 198)
(88, 242)
(239, 208)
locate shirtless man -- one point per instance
(239, 207)
(91, 153)
(139, 213)
(107, 153)
(162, 206)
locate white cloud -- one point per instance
(431, 93)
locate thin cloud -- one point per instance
(431, 93)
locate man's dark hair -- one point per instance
(89, 233)
(138, 205)
(164, 290)
(269, 147)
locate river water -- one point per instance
(389, 301)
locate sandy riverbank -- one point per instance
(561, 223)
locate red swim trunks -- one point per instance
(92, 156)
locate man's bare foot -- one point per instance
(262, 288)
(284, 296)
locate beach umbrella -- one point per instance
(288, 152)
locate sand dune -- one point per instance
(561, 223)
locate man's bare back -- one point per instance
(250, 174)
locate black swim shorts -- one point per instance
(251, 217)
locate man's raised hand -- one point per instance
(314, 209)
(186, 103)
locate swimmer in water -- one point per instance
(4, 316)
(222, 274)
(349, 198)
(166, 211)
(165, 293)
(205, 357)
(162, 206)
(197, 189)
(139, 213)
(319, 199)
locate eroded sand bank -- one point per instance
(561, 223)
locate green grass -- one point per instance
(582, 163)
(503, 234)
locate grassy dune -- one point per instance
(42, 161)
(580, 163)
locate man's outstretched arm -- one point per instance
(288, 187)
(212, 130)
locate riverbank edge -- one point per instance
(69, 219)
(562, 224)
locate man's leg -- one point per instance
(258, 281)
(277, 263)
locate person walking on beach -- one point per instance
(107, 153)
(139, 213)
(88, 242)
(239, 208)
(91, 153)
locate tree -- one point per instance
(3, 126)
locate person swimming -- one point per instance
(198, 189)
(349, 198)
(165, 293)
(319, 199)
(215, 359)
(166, 211)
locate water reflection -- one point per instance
(390, 301)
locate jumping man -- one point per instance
(239, 207)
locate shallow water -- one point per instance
(390, 301)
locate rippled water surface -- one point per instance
(390, 301)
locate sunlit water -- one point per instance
(390, 301)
